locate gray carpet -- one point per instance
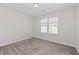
(37, 47)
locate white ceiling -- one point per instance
(28, 9)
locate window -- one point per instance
(53, 25)
(49, 25)
(43, 25)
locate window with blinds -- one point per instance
(43, 25)
(53, 25)
(49, 25)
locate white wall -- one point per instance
(14, 26)
(67, 27)
(77, 27)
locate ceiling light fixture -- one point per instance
(35, 5)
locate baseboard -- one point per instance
(58, 43)
(55, 41)
(77, 49)
(8, 43)
(17, 40)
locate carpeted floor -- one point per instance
(37, 47)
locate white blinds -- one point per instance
(49, 25)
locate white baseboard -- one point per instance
(54, 41)
(7, 43)
(77, 48)
(17, 40)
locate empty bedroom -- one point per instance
(39, 29)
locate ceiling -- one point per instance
(28, 9)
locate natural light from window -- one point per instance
(53, 25)
(49, 25)
(43, 25)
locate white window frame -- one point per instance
(43, 25)
(53, 25)
(49, 24)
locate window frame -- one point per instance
(41, 24)
(54, 25)
(49, 24)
